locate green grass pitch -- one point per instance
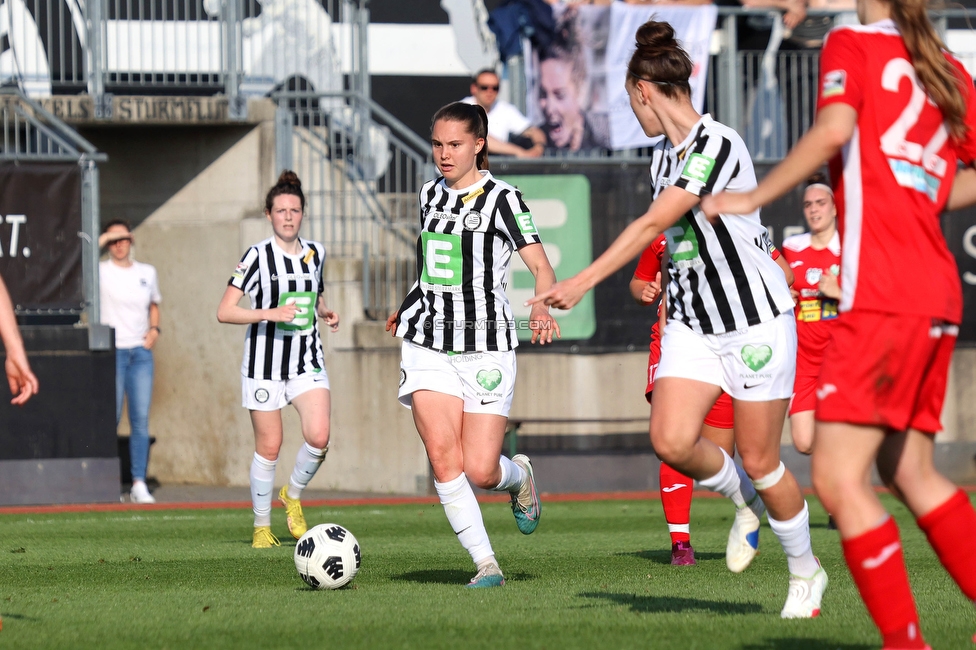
(594, 575)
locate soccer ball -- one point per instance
(327, 556)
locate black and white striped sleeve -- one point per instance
(709, 165)
(512, 217)
(246, 270)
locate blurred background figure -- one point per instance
(129, 294)
(509, 132)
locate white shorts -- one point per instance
(274, 394)
(484, 380)
(755, 364)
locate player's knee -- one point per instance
(483, 477)
(318, 437)
(765, 480)
(672, 451)
(759, 466)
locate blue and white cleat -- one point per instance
(526, 505)
(743, 543)
(489, 576)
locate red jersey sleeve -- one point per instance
(841, 74)
(650, 260)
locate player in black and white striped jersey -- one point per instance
(457, 370)
(730, 321)
(283, 360)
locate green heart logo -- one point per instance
(756, 357)
(489, 379)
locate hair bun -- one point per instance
(655, 36)
(288, 177)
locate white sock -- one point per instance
(748, 490)
(262, 485)
(307, 462)
(794, 536)
(513, 476)
(464, 515)
(726, 482)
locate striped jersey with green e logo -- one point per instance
(722, 276)
(466, 242)
(271, 278)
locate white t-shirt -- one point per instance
(126, 293)
(503, 119)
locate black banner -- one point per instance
(40, 250)
(619, 193)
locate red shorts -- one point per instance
(721, 416)
(886, 370)
(805, 385)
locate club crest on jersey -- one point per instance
(472, 221)
(834, 83)
(698, 168)
(813, 275)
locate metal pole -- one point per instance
(99, 336)
(729, 80)
(96, 49)
(284, 139)
(229, 16)
(363, 16)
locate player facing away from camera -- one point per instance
(895, 116)
(283, 360)
(457, 370)
(676, 488)
(730, 320)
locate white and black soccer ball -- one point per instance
(327, 556)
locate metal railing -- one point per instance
(362, 170)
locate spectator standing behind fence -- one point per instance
(129, 298)
(509, 132)
(23, 383)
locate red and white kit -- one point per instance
(648, 267)
(889, 359)
(815, 313)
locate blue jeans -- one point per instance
(134, 378)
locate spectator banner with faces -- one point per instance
(575, 85)
(40, 247)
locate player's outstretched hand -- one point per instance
(23, 383)
(542, 325)
(391, 323)
(714, 205)
(562, 295)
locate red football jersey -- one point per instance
(815, 311)
(649, 266)
(893, 178)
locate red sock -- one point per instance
(676, 491)
(951, 529)
(877, 565)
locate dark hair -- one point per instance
(477, 74)
(818, 178)
(660, 60)
(566, 46)
(117, 222)
(475, 121)
(288, 183)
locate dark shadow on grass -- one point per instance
(803, 644)
(18, 617)
(673, 605)
(663, 556)
(452, 576)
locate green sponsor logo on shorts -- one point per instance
(489, 379)
(698, 168)
(756, 356)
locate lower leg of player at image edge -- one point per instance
(842, 459)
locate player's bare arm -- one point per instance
(541, 322)
(229, 311)
(669, 206)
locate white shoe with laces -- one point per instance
(140, 493)
(743, 545)
(805, 595)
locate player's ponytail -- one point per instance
(288, 183)
(940, 79)
(475, 121)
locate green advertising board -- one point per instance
(560, 207)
